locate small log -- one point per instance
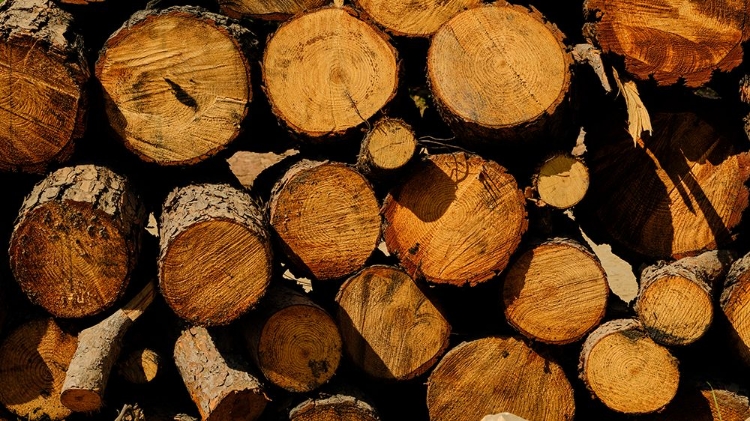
(387, 148)
(43, 76)
(494, 375)
(499, 70)
(269, 9)
(176, 83)
(98, 349)
(140, 366)
(626, 370)
(326, 72)
(33, 361)
(705, 403)
(294, 342)
(76, 240)
(334, 408)
(222, 392)
(556, 292)
(675, 301)
(456, 219)
(420, 18)
(562, 181)
(215, 256)
(327, 218)
(734, 299)
(391, 330)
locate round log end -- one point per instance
(268, 9)
(141, 366)
(389, 146)
(562, 181)
(413, 18)
(81, 400)
(238, 405)
(333, 408)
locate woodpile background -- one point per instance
(374, 210)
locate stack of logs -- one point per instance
(373, 210)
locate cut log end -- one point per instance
(734, 299)
(389, 146)
(705, 403)
(140, 366)
(81, 400)
(562, 181)
(333, 408)
(269, 9)
(415, 18)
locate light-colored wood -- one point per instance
(734, 303)
(387, 147)
(494, 375)
(626, 370)
(76, 240)
(556, 292)
(269, 9)
(705, 403)
(562, 181)
(327, 218)
(215, 257)
(455, 220)
(176, 83)
(326, 72)
(420, 18)
(33, 361)
(334, 408)
(498, 69)
(672, 39)
(43, 74)
(140, 366)
(391, 330)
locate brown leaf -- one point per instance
(246, 166)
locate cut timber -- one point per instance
(420, 18)
(498, 70)
(675, 301)
(43, 73)
(215, 253)
(294, 342)
(734, 303)
(220, 390)
(333, 408)
(705, 404)
(562, 181)
(456, 220)
(326, 72)
(556, 292)
(269, 9)
(673, 40)
(387, 147)
(677, 193)
(33, 361)
(391, 330)
(98, 349)
(327, 218)
(494, 375)
(176, 83)
(626, 370)
(76, 240)
(140, 366)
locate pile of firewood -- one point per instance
(305, 210)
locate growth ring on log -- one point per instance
(387, 147)
(456, 220)
(498, 67)
(494, 375)
(562, 181)
(268, 9)
(419, 18)
(326, 72)
(176, 84)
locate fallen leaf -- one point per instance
(638, 118)
(246, 166)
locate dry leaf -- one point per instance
(503, 417)
(638, 118)
(246, 166)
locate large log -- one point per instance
(76, 240)
(43, 74)
(420, 18)
(176, 83)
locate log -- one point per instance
(76, 240)
(33, 361)
(676, 40)
(176, 83)
(140, 366)
(222, 390)
(268, 9)
(43, 77)
(733, 302)
(334, 408)
(420, 18)
(494, 375)
(98, 349)
(293, 341)
(556, 292)
(327, 218)
(391, 330)
(675, 300)
(387, 148)
(499, 71)
(326, 72)
(455, 220)
(562, 181)
(705, 403)
(215, 257)
(678, 193)
(626, 370)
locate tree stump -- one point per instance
(494, 375)
(391, 330)
(455, 220)
(176, 83)
(76, 240)
(268, 9)
(562, 181)
(215, 257)
(334, 408)
(43, 73)
(387, 148)
(420, 18)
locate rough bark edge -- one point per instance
(566, 242)
(536, 176)
(369, 18)
(365, 163)
(414, 270)
(319, 137)
(446, 339)
(274, 16)
(243, 39)
(736, 275)
(334, 401)
(548, 119)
